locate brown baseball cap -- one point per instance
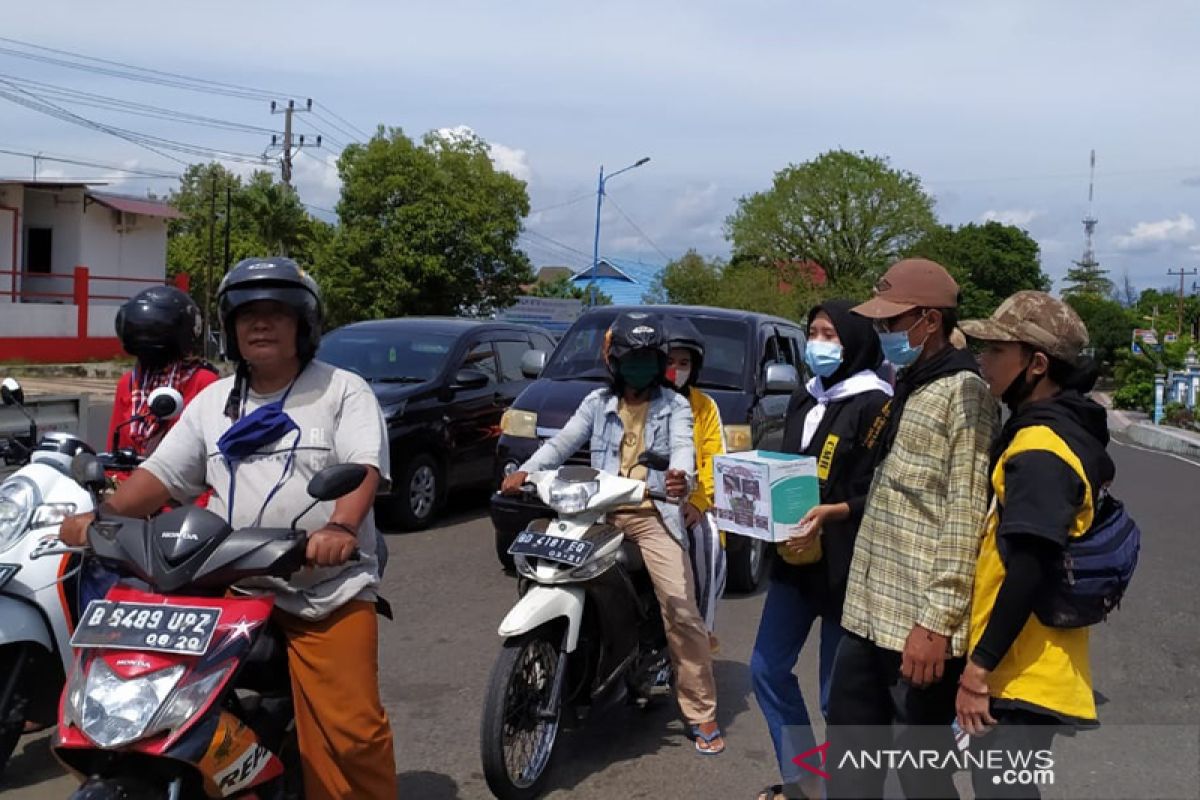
(1035, 319)
(908, 284)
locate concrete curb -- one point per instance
(1167, 440)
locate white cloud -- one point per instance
(1011, 216)
(507, 159)
(1158, 234)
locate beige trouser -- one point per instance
(687, 636)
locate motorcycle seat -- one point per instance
(630, 557)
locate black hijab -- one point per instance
(860, 343)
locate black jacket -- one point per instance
(848, 480)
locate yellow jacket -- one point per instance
(710, 441)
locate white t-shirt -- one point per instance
(340, 423)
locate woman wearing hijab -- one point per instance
(828, 419)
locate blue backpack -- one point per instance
(1095, 570)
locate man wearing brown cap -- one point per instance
(1025, 679)
(909, 591)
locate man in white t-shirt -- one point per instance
(271, 319)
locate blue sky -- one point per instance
(995, 106)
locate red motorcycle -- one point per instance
(179, 690)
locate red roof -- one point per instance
(137, 205)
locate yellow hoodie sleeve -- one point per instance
(710, 441)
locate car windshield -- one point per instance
(578, 355)
(388, 355)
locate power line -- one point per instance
(83, 163)
(634, 225)
(146, 141)
(557, 243)
(365, 136)
(565, 203)
(129, 107)
(136, 73)
(353, 137)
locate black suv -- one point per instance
(443, 385)
(752, 364)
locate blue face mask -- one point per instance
(823, 358)
(897, 349)
(251, 433)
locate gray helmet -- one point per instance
(275, 278)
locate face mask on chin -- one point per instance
(679, 377)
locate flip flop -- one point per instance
(708, 739)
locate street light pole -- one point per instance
(599, 203)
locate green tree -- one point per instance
(851, 213)
(274, 214)
(1110, 325)
(563, 288)
(690, 280)
(1087, 277)
(1159, 309)
(990, 262)
(426, 228)
(745, 284)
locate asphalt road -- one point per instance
(450, 594)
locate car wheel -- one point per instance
(417, 494)
(747, 565)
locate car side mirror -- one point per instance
(337, 481)
(87, 471)
(166, 403)
(533, 362)
(782, 379)
(469, 378)
(11, 393)
(659, 462)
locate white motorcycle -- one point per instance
(38, 593)
(586, 630)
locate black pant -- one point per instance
(866, 699)
(1020, 735)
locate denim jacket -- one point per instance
(596, 422)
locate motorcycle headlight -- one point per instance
(571, 497)
(596, 566)
(187, 700)
(18, 497)
(51, 514)
(117, 711)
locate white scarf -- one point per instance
(858, 383)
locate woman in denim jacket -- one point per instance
(636, 413)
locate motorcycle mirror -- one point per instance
(336, 481)
(87, 471)
(11, 393)
(655, 461)
(166, 403)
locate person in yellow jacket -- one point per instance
(707, 549)
(1026, 680)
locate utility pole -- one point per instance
(1181, 273)
(212, 224)
(228, 221)
(288, 147)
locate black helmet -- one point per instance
(635, 330)
(159, 325)
(276, 278)
(683, 335)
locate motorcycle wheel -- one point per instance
(12, 714)
(517, 741)
(116, 789)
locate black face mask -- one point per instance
(1020, 389)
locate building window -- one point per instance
(37, 251)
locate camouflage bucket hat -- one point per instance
(1035, 319)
